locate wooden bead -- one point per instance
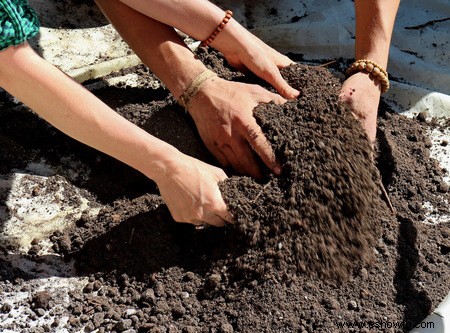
(219, 28)
(376, 71)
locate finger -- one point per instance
(280, 60)
(215, 220)
(284, 89)
(262, 146)
(247, 161)
(270, 73)
(264, 96)
(232, 158)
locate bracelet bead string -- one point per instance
(220, 27)
(373, 69)
(185, 99)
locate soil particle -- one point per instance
(41, 299)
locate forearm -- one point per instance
(76, 112)
(374, 25)
(197, 18)
(156, 44)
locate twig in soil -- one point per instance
(328, 63)
(386, 198)
(260, 192)
(426, 24)
(131, 236)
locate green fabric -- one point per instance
(18, 22)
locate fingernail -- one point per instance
(295, 93)
(277, 170)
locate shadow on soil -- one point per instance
(414, 301)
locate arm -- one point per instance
(199, 18)
(75, 111)
(374, 25)
(222, 110)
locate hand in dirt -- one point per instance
(223, 113)
(191, 193)
(250, 53)
(363, 96)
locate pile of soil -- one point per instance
(149, 274)
(322, 214)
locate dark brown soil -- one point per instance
(318, 217)
(275, 270)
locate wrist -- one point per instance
(230, 38)
(158, 160)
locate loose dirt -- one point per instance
(310, 250)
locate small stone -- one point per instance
(89, 327)
(123, 325)
(331, 303)
(89, 287)
(98, 319)
(444, 143)
(65, 244)
(423, 115)
(178, 311)
(41, 300)
(97, 285)
(214, 280)
(39, 312)
(184, 295)
(6, 307)
(55, 323)
(352, 305)
(148, 296)
(162, 307)
(34, 250)
(226, 328)
(443, 187)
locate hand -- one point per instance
(363, 96)
(243, 50)
(223, 113)
(191, 193)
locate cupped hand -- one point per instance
(362, 94)
(191, 192)
(245, 51)
(223, 113)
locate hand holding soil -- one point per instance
(223, 113)
(362, 95)
(245, 52)
(191, 193)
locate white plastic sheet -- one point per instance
(419, 62)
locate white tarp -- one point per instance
(419, 62)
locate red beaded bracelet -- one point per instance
(220, 27)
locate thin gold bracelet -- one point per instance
(185, 99)
(371, 67)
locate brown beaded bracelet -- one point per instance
(373, 69)
(220, 27)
